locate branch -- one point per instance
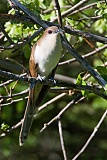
(62, 139)
(78, 98)
(50, 83)
(6, 83)
(97, 50)
(58, 13)
(93, 73)
(71, 9)
(83, 8)
(91, 136)
(71, 31)
(21, 18)
(30, 14)
(10, 130)
(6, 35)
(21, 44)
(51, 101)
(15, 95)
(13, 101)
(87, 35)
(13, 76)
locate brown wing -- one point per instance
(36, 95)
(32, 66)
(30, 108)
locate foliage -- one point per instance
(80, 119)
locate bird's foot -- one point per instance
(41, 78)
(53, 80)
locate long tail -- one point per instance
(29, 113)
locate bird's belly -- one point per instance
(48, 63)
(47, 55)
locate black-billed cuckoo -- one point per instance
(44, 58)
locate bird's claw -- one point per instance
(53, 80)
(41, 78)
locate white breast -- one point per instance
(47, 54)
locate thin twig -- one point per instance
(84, 56)
(87, 35)
(10, 129)
(58, 13)
(50, 83)
(6, 35)
(93, 73)
(6, 83)
(30, 14)
(21, 18)
(79, 97)
(51, 101)
(91, 136)
(13, 101)
(15, 95)
(62, 139)
(21, 44)
(19, 64)
(84, 8)
(45, 24)
(71, 9)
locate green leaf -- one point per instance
(80, 81)
(98, 12)
(105, 16)
(103, 71)
(4, 127)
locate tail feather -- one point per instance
(29, 113)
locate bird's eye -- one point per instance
(49, 31)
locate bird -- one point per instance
(45, 55)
